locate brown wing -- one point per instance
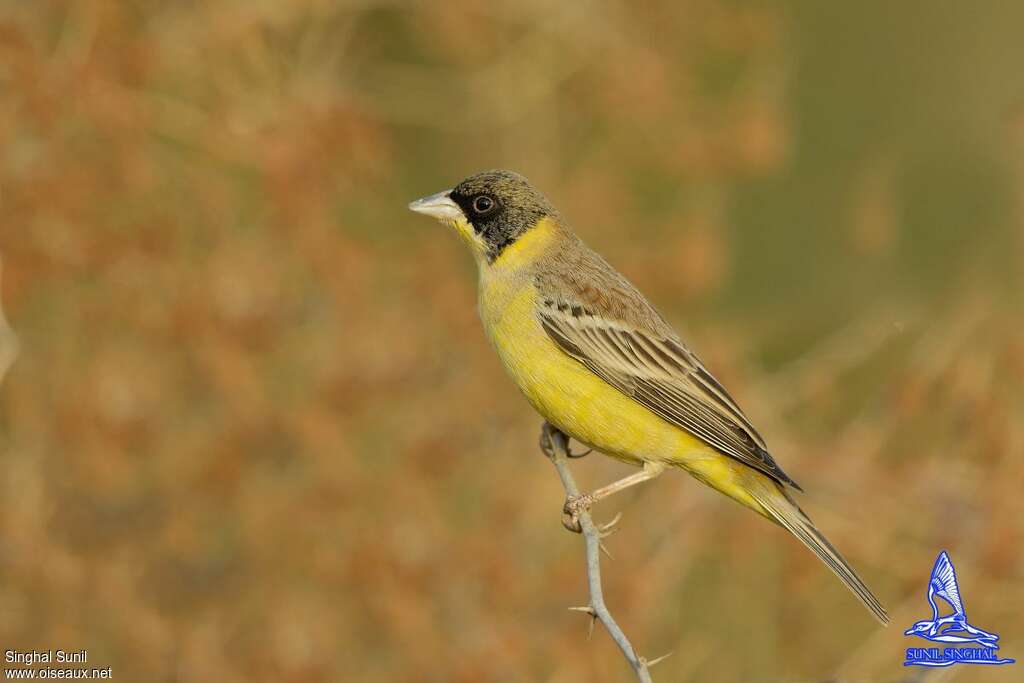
(657, 371)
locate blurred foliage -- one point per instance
(254, 431)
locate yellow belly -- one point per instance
(574, 399)
(578, 402)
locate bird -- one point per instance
(603, 367)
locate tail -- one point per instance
(780, 509)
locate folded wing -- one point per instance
(655, 369)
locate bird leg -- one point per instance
(575, 505)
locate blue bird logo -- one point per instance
(952, 628)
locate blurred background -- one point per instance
(254, 430)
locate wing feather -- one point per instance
(660, 373)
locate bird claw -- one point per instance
(608, 528)
(569, 453)
(547, 445)
(573, 508)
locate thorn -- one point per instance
(586, 608)
(658, 660)
(604, 550)
(593, 617)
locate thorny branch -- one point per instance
(556, 446)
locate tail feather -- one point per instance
(780, 509)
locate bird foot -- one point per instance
(547, 440)
(608, 528)
(573, 508)
(569, 453)
(547, 443)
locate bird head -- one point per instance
(489, 210)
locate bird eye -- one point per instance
(483, 204)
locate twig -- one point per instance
(558, 454)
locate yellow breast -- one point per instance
(559, 387)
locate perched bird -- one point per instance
(597, 361)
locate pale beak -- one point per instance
(437, 205)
